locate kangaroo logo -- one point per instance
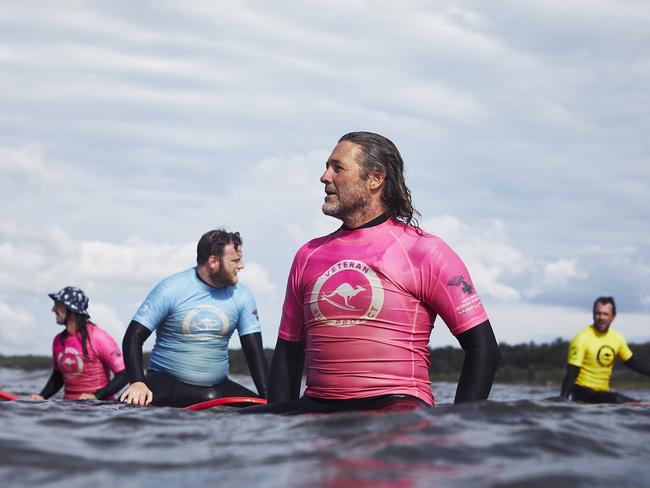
(348, 293)
(71, 363)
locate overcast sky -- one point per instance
(128, 129)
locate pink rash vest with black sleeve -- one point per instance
(365, 301)
(86, 374)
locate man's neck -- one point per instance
(363, 217)
(204, 276)
(371, 223)
(71, 326)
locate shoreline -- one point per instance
(526, 364)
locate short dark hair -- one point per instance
(213, 242)
(381, 155)
(605, 301)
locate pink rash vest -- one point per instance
(365, 302)
(86, 374)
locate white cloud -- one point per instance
(54, 258)
(256, 277)
(486, 253)
(18, 330)
(136, 261)
(106, 317)
(24, 161)
(561, 272)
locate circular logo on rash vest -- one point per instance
(606, 356)
(70, 362)
(346, 294)
(205, 322)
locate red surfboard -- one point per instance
(227, 401)
(4, 395)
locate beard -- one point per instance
(601, 327)
(350, 200)
(223, 278)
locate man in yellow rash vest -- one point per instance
(591, 359)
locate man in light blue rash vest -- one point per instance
(194, 314)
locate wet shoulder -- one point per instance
(177, 282)
(310, 247)
(419, 242)
(239, 291)
(586, 334)
(616, 336)
(97, 333)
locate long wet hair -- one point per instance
(82, 327)
(380, 155)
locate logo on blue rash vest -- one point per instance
(605, 356)
(205, 322)
(348, 293)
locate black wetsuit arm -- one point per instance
(480, 363)
(118, 382)
(134, 337)
(251, 344)
(638, 365)
(53, 385)
(286, 371)
(569, 381)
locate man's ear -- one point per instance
(213, 263)
(375, 180)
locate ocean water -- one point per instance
(516, 439)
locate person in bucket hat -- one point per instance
(83, 354)
(73, 298)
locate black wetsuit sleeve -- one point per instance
(638, 365)
(53, 385)
(569, 381)
(286, 371)
(134, 337)
(251, 344)
(118, 382)
(480, 363)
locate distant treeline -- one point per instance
(533, 364)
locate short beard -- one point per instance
(602, 329)
(357, 199)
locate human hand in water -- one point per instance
(137, 393)
(35, 397)
(87, 396)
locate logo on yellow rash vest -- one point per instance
(605, 356)
(346, 294)
(70, 362)
(205, 322)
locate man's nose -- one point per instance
(325, 177)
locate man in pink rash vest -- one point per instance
(361, 302)
(84, 355)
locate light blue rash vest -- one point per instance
(193, 323)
